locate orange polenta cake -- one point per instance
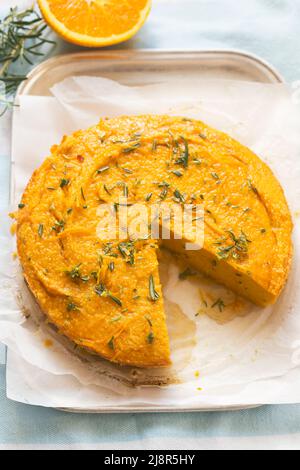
(105, 294)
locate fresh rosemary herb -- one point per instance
(132, 148)
(154, 296)
(22, 34)
(165, 189)
(111, 266)
(215, 176)
(107, 249)
(179, 197)
(163, 195)
(72, 307)
(111, 343)
(103, 292)
(163, 184)
(148, 320)
(184, 158)
(64, 182)
(220, 304)
(59, 226)
(127, 250)
(41, 230)
(185, 274)
(128, 171)
(76, 275)
(252, 187)
(21, 206)
(106, 190)
(148, 197)
(102, 170)
(82, 194)
(177, 173)
(150, 337)
(115, 319)
(237, 249)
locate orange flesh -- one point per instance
(98, 18)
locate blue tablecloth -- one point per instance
(269, 28)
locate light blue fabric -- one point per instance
(269, 28)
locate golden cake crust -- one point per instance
(99, 295)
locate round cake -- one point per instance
(105, 295)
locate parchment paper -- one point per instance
(252, 359)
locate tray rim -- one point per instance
(40, 69)
(131, 53)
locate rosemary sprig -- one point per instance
(76, 275)
(127, 250)
(220, 304)
(237, 249)
(103, 292)
(22, 35)
(154, 296)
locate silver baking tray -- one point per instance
(143, 67)
(149, 66)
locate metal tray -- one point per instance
(149, 66)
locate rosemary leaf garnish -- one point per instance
(115, 319)
(72, 307)
(21, 206)
(184, 158)
(127, 250)
(237, 249)
(111, 266)
(82, 194)
(76, 275)
(103, 292)
(177, 173)
(102, 170)
(22, 35)
(106, 190)
(163, 195)
(41, 230)
(64, 182)
(179, 197)
(150, 337)
(59, 226)
(132, 148)
(252, 187)
(148, 197)
(111, 343)
(220, 304)
(128, 171)
(154, 296)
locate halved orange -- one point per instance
(95, 23)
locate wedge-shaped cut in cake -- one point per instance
(105, 295)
